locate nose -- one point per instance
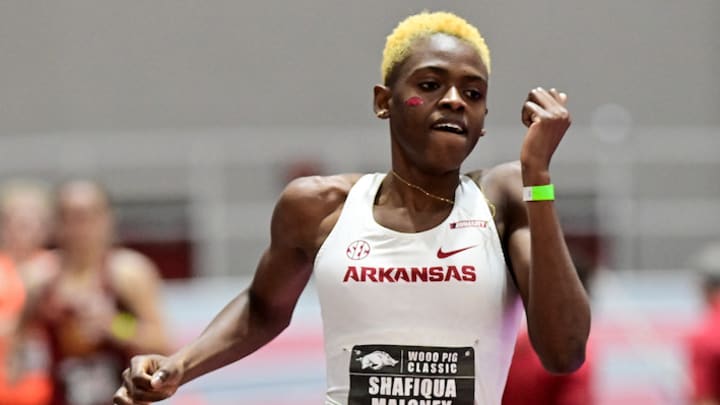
(452, 99)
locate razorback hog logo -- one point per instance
(376, 360)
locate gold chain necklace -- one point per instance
(420, 189)
(491, 206)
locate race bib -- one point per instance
(412, 375)
(89, 381)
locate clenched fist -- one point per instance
(546, 115)
(150, 378)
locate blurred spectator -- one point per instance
(101, 304)
(704, 342)
(528, 381)
(24, 228)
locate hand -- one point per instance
(150, 378)
(95, 316)
(547, 118)
(92, 323)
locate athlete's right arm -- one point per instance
(258, 314)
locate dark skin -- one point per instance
(450, 77)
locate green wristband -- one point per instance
(539, 193)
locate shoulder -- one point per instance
(505, 176)
(40, 272)
(131, 260)
(130, 269)
(316, 194)
(307, 202)
(502, 184)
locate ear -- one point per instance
(381, 101)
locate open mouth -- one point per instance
(451, 127)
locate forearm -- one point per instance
(558, 310)
(240, 329)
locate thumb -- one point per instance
(159, 378)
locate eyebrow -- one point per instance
(441, 70)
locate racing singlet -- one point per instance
(422, 318)
(85, 371)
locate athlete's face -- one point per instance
(84, 219)
(24, 225)
(436, 100)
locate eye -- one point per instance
(429, 85)
(473, 94)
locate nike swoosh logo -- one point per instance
(442, 255)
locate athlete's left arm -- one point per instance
(138, 285)
(556, 304)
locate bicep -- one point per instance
(301, 219)
(503, 185)
(138, 286)
(281, 276)
(140, 293)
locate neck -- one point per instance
(421, 192)
(84, 260)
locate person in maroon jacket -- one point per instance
(704, 342)
(530, 383)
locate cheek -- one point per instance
(414, 101)
(477, 116)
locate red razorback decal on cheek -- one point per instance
(414, 101)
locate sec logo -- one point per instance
(358, 250)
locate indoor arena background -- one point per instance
(195, 114)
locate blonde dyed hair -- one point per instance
(21, 192)
(424, 24)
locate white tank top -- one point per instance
(422, 318)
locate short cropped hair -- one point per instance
(83, 184)
(425, 24)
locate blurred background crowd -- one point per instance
(143, 144)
